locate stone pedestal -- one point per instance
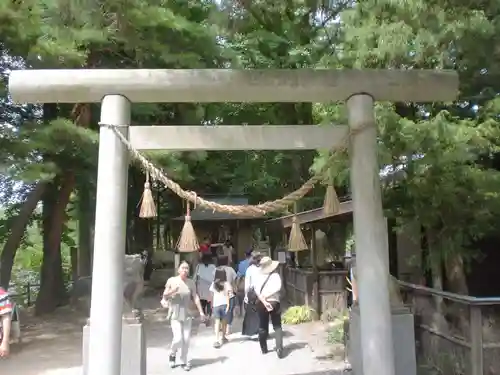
(133, 357)
(403, 333)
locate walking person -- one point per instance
(244, 264)
(240, 280)
(223, 262)
(227, 250)
(231, 279)
(204, 248)
(204, 276)
(268, 289)
(179, 296)
(251, 318)
(6, 310)
(223, 304)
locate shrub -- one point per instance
(332, 315)
(336, 334)
(336, 319)
(298, 315)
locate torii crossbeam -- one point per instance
(116, 89)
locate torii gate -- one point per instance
(116, 89)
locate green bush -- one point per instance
(298, 315)
(336, 319)
(332, 315)
(336, 334)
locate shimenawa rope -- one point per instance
(242, 210)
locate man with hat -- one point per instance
(267, 286)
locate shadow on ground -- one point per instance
(50, 342)
(52, 346)
(290, 348)
(285, 334)
(200, 362)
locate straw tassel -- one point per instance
(297, 242)
(331, 204)
(148, 208)
(188, 242)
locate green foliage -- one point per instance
(298, 315)
(29, 259)
(335, 334)
(442, 158)
(335, 319)
(332, 315)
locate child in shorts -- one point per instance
(223, 301)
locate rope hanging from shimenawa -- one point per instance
(331, 202)
(188, 242)
(147, 202)
(296, 242)
(243, 210)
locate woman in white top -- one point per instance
(267, 286)
(204, 276)
(223, 295)
(251, 319)
(179, 296)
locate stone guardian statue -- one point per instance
(133, 287)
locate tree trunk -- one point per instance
(456, 281)
(52, 288)
(85, 225)
(435, 265)
(17, 231)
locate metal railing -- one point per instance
(25, 294)
(455, 334)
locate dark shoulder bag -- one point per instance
(252, 295)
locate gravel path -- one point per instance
(56, 351)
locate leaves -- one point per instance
(439, 161)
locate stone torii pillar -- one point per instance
(370, 234)
(359, 87)
(105, 340)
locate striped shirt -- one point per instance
(5, 307)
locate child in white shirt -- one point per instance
(222, 301)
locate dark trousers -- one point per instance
(206, 306)
(240, 298)
(264, 316)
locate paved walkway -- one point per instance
(242, 356)
(61, 355)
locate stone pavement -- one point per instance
(242, 356)
(61, 355)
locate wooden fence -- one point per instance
(455, 334)
(322, 290)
